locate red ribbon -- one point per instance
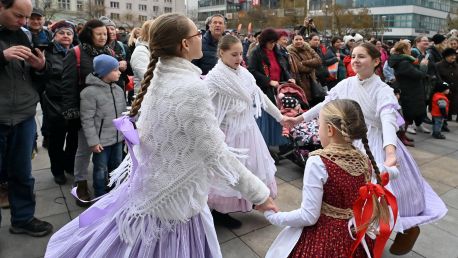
(362, 210)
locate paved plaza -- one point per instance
(438, 160)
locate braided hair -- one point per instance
(347, 117)
(165, 35)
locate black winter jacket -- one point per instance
(210, 58)
(52, 95)
(409, 78)
(255, 66)
(18, 96)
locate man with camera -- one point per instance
(308, 28)
(18, 102)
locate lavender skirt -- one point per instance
(101, 239)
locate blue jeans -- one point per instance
(438, 121)
(16, 144)
(105, 162)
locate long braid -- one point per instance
(144, 85)
(380, 209)
(344, 131)
(372, 159)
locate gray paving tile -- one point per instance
(438, 187)
(288, 171)
(25, 246)
(224, 234)
(260, 240)
(6, 217)
(289, 197)
(43, 179)
(237, 249)
(250, 221)
(279, 180)
(451, 198)
(49, 202)
(437, 148)
(423, 156)
(41, 160)
(443, 170)
(450, 222)
(434, 242)
(299, 183)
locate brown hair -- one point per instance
(226, 42)
(166, 33)
(402, 47)
(347, 117)
(372, 51)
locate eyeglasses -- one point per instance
(198, 34)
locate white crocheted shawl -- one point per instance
(181, 153)
(236, 97)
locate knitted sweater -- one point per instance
(181, 154)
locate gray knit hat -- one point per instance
(107, 21)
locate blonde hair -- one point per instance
(145, 31)
(347, 117)
(165, 35)
(132, 37)
(226, 42)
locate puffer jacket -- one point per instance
(100, 104)
(18, 96)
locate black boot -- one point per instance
(225, 220)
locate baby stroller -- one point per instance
(303, 138)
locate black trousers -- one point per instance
(63, 142)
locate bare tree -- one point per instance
(48, 9)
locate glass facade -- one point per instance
(205, 3)
(415, 21)
(442, 5)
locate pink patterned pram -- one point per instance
(303, 138)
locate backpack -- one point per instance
(78, 63)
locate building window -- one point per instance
(114, 5)
(142, 18)
(167, 1)
(63, 4)
(99, 2)
(142, 7)
(114, 16)
(156, 9)
(79, 6)
(128, 6)
(167, 9)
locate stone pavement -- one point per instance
(438, 160)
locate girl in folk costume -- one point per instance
(418, 203)
(238, 101)
(333, 179)
(159, 206)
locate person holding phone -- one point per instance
(18, 101)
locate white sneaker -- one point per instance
(411, 129)
(424, 129)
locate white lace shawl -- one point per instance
(236, 97)
(181, 153)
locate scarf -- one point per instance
(95, 51)
(234, 91)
